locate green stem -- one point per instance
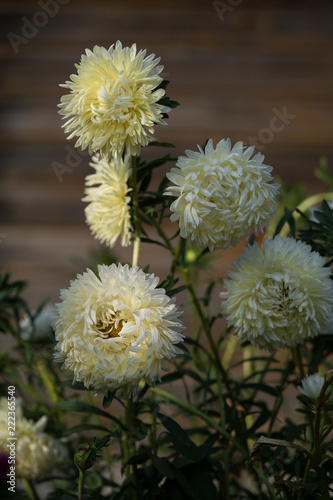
(98, 419)
(48, 380)
(206, 328)
(129, 445)
(136, 219)
(176, 254)
(318, 454)
(30, 489)
(279, 399)
(306, 472)
(81, 484)
(269, 487)
(225, 449)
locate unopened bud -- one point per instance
(85, 457)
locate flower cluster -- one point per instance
(116, 329)
(113, 102)
(278, 295)
(108, 212)
(221, 192)
(37, 453)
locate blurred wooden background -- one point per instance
(231, 76)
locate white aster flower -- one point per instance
(113, 100)
(221, 193)
(311, 386)
(36, 452)
(108, 212)
(116, 329)
(279, 295)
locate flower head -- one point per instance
(221, 193)
(311, 386)
(279, 295)
(108, 212)
(116, 329)
(37, 453)
(113, 100)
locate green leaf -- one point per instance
(163, 466)
(206, 448)
(149, 240)
(171, 377)
(107, 400)
(200, 478)
(180, 438)
(87, 427)
(174, 291)
(274, 391)
(141, 458)
(288, 217)
(162, 144)
(86, 408)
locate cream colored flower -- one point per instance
(221, 193)
(36, 452)
(279, 295)
(116, 329)
(108, 212)
(311, 385)
(113, 100)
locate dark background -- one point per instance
(231, 71)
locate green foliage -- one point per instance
(11, 302)
(319, 233)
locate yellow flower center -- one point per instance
(108, 324)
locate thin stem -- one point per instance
(205, 326)
(98, 419)
(229, 351)
(225, 449)
(136, 219)
(306, 472)
(318, 453)
(247, 372)
(279, 399)
(269, 487)
(81, 484)
(48, 380)
(129, 445)
(176, 254)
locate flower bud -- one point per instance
(85, 456)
